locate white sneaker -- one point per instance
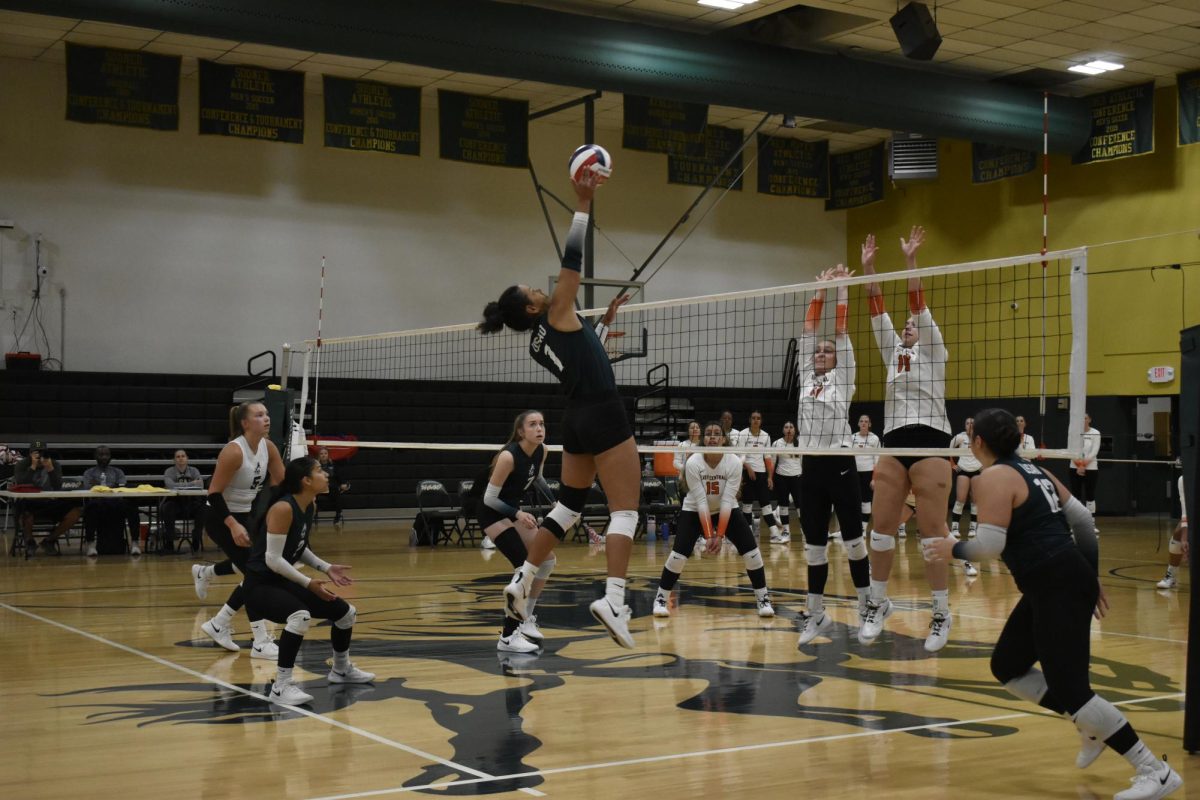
(814, 626)
(1168, 582)
(974, 529)
(289, 694)
(1152, 782)
(487, 543)
(835, 534)
(516, 643)
(351, 674)
(901, 532)
(516, 597)
(661, 607)
(530, 630)
(91, 550)
(266, 649)
(1090, 749)
(134, 550)
(939, 631)
(970, 569)
(614, 620)
(954, 529)
(872, 625)
(199, 581)
(765, 609)
(222, 636)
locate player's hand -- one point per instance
(240, 536)
(321, 590)
(916, 238)
(868, 254)
(1101, 610)
(527, 520)
(938, 550)
(714, 545)
(751, 475)
(611, 313)
(339, 574)
(585, 189)
(770, 483)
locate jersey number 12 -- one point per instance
(1051, 495)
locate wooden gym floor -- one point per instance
(108, 687)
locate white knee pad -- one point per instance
(753, 559)
(676, 562)
(958, 509)
(563, 516)
(856, 549)
(866, 508)
(1175, 547)
(817, 554)
(623, 523)
(543, 572)
(974, 510)
(1099, 718)
(298, 622)
(347, 621)
(1031, 686)
(747, 508)
(882, 542)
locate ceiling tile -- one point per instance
(36, 20)
(344, 61)
(1119, 5)
(279, 53)
(196, 41)
(25, 51)
(1014, 29)
(983, 8)
(182, 50)
(1186, 15)
(1107, 33)
(251, 60)
(95, 40)
(1158, 42)
(1139, 23)
(1042, 48)
(989, 38)
(40, 42)
(119, 31)
(963, 18)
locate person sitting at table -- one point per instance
(40, 470)
(97, 510)
(337, 485)
(181, 476)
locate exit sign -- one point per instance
(1161, 374)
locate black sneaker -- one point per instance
(50, 547)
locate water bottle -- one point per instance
(104, 477)
(651, 526)
(664, 532)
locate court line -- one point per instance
(724, 750)
(482, 776)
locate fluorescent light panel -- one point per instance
(728, 5)
(1095, 67)
(1086, 70)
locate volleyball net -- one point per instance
(1014, 332)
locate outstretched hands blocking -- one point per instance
(869, 251)
(916, 238)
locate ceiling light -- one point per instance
(728, 5)
(1085, 69)
(1104, 66)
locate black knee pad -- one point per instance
(574, 498)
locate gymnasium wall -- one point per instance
(1134, 318)
(172, 252)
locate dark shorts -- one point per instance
(968, 474)
(218, 531)
(595, 428)
(47, 509)
(915, 436)
(488, 516)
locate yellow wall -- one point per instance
(1134, 319)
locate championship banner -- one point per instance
(483, 130)
(251, 102)
(855, 178)
(721, 143)
(790, 167)
(994, 162)
(1188, 85)
(1122, 124)
(372, 116)
(665, 126)
(122, 87)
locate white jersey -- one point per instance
(249, 478)
(1027, 443)
(747, 439)
(1182, 504)
(711, 488)
(822, 419)
(681, 456)
(1091, 447)
(789, 464)
(865, 463)
(916, 382)
(966, 462)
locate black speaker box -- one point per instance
(916, 31)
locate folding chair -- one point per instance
(468, 508)
(437, 511)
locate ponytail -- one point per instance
(508, 310)
(237, 415)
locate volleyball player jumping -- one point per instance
(597, 437)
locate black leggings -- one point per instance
(1084, 486)
(787, 490)
(1052, 624)
(830, 482)
(688, 532)
(276, 598)
(757, 489)
(235, 556)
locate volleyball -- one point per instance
(593, 157)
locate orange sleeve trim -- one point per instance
(876, 304)
(815, 307)
(916, 301)
(723, 522)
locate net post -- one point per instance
(1079, 351)
(304, 384)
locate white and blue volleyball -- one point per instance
(590, 157)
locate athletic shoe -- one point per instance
(91, 550)
(872, 625)
(351, 674)
(530, 630)
(765, 609)
(1090, 749)
(516, 643)
(836, 534)
(616, 621)
(662, 608)
(780, 538)
(1168, 582)
(289, 694)
(866, 528)
(954, 529)
(970, 569)
(814, 626)
(50, 548)
(134, 550)
(939, 631)
(1152, 782)
(516, 597)
(594, 536)
(200, 581)
(266, 649)
(974, 529)
(902, 532)
(222, 636)
(487, 543)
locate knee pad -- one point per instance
(1099, 718)
(753, 559)
(560, 519)
(1175, 547)
(1031, 686)
(856, 549)
(958, 509)
(974, 510)
(347, 620)
(882, 542)
(622, 523)
(816, 554)
(543, 572)
(676, 562)
(747, 508)
(298, 622)
(866, 508)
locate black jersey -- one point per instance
(578, 359)
(524, 472)
(1038, 530)
(293, 548)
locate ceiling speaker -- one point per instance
(916, 31)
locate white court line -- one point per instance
(725, 750)
(483, 776)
